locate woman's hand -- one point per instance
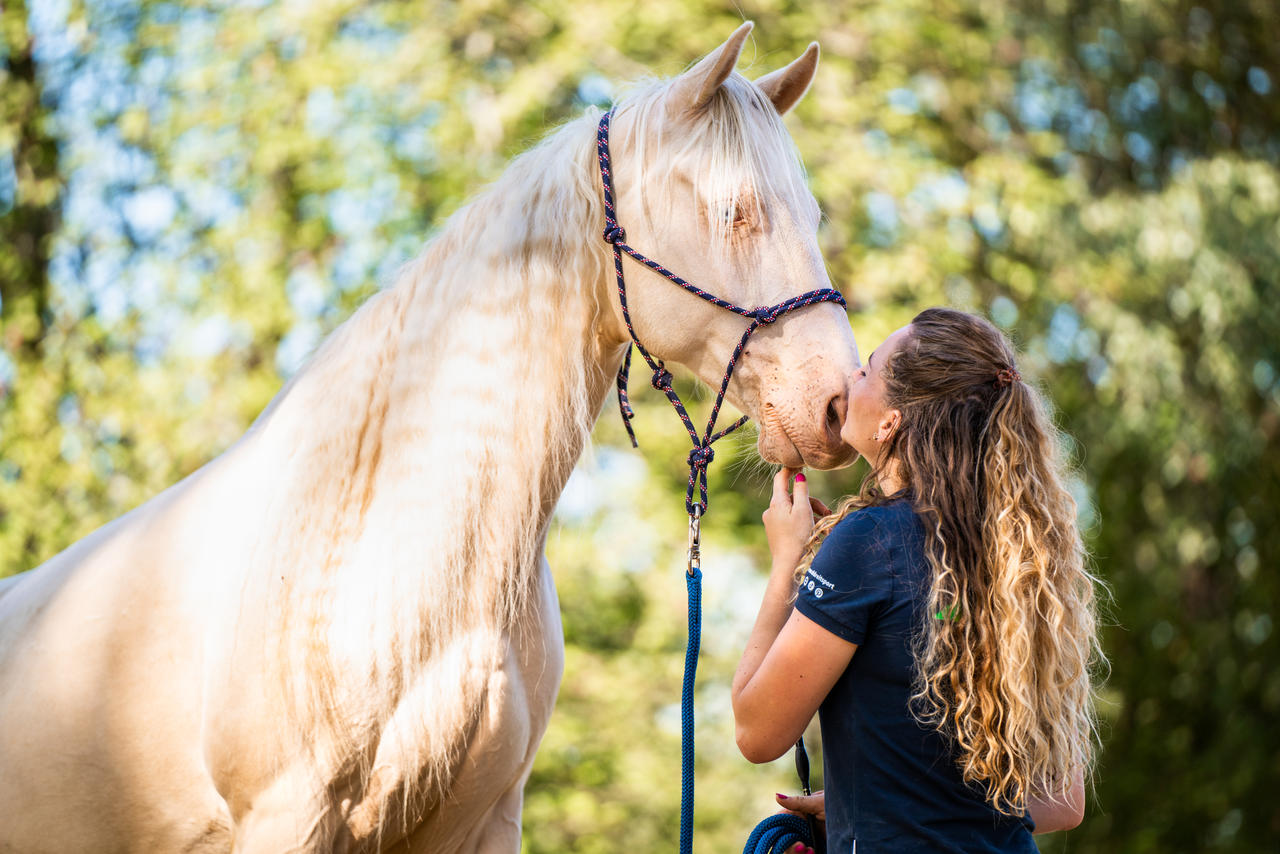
(789, 520)
(805, 805)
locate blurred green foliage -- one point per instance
(193, 193)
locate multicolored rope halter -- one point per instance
(777, 832)
(701, 455)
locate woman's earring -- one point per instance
(876, 438)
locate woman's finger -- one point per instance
(780, 482)
(819, 508)
(801, 495)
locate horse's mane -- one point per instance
(420, 467)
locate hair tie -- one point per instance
(1007, 377)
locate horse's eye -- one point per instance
(734, 216)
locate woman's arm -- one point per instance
(1061, 812)
(790, 662)
(774, 701)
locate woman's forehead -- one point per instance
(887, 346)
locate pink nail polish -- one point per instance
(780, 795)
(800, 477)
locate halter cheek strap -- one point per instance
(702, 454)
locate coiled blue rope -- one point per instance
(778, 833)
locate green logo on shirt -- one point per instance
(952, 613)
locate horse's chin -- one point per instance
(827, 460)
(780, 453)
(778, 448)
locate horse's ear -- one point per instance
(787, 85)
(693, 89)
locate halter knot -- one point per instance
(701, 457)
(765, 314)
(662, 379)
(614, 234)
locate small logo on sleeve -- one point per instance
(815, 584)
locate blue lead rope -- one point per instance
(693, 582)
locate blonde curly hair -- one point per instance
(1008, 654)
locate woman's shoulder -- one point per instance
(877, 531)
(854, 565)
(875, 519)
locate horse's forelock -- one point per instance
(736, 147)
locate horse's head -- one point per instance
(709, 184)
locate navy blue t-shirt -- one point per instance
(891, 784)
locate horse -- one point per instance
(341, 634)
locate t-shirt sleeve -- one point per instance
(849, 581)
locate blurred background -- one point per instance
(192, 194)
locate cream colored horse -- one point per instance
(341, 635)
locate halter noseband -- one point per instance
(702, 454)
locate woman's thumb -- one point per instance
(803, 804)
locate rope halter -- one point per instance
(701, 455)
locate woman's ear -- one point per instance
(888, 425)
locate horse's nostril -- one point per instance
(837, 407)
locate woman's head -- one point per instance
(1005, 655)
(931, 384)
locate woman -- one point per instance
(945, 630)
